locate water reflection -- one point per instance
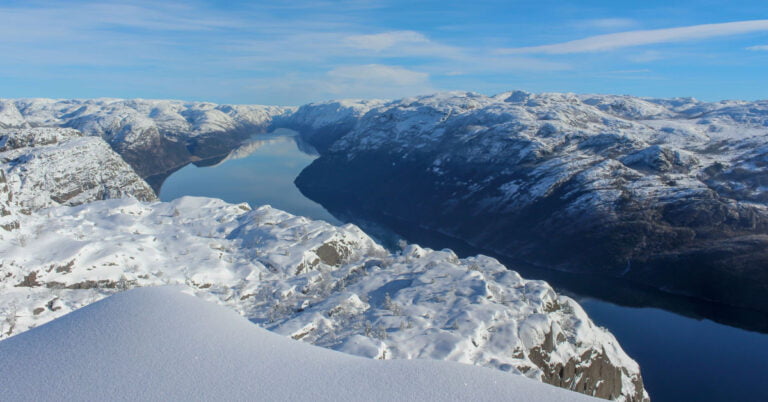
(260, 172)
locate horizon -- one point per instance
(296, 52)
(108, 98)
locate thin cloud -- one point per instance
(758, 48)
(381, 74)
(403, 44)
(386, 40)
(608, 23)
(349, 81)
(602, 43)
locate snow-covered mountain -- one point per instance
(667, 192)
(43, 167)
(160, 344)
(322, 123)
(154, 136)
(326, 285)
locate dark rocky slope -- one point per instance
(665, 193)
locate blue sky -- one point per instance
(293, 52)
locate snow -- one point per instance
(132, 123)
(46, 167)
(162, 344)
(309, 280)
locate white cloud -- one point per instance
(758, 48)
(601, 43)
(645, 57)
(380, 74)
(349, 81)
(403, 44)
(385, 40)
(609, 23)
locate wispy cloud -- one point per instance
(384, 75)
(402, 44)
(645, 57)
(759, 48)
(387, 40)
(349, 81)
(602, 43)
(608, 23)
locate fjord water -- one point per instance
(682, 356)
(260, 172)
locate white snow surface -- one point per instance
(46, 167)
(162, 344)
(128, 121)
(326, 285)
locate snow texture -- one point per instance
(44, 167)
(161, 344)
(327, 285)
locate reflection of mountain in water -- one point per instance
(254, 143)
(260, 171)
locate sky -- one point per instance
(298, 51)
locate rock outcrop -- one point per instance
(43, 167)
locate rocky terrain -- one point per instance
(330, 286)
(326, 285)
(665, 192)
(44, 167)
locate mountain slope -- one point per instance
(670, 193)
(43, 167)
(327, 285)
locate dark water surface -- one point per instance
(683, 357)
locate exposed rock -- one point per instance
(42, 167)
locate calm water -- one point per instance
(682, 358)
(261, 172)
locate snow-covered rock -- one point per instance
(670, 192)
(161, 344)
(326, 285)
(154, 136)
(322, 123)
(43, 167)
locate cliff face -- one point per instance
(664, 192)
(44, 167)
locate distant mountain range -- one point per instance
(665, 192)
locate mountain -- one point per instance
(664, 192)
(159, 343)
(155, 137)
(326, 285)
(43, 167)
(668, 193)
